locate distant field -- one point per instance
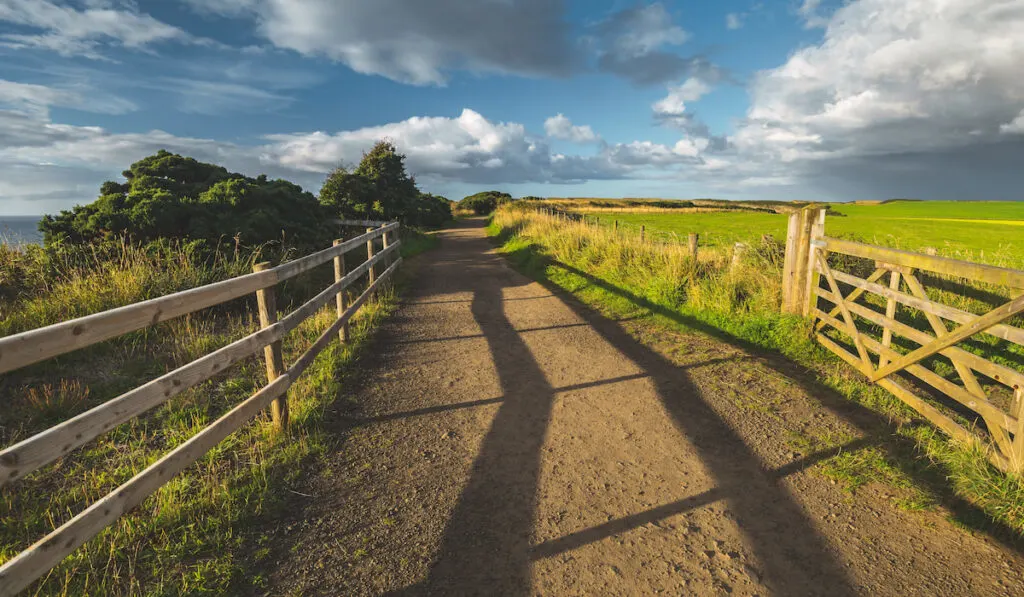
(988, 232)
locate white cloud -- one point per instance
(221, 97)
(892, 77)
(733, 21)
(674, 104)
(560, 127)
(468, 148)
(808, 11)
(72, 31)
(413, 41)
(30, 97)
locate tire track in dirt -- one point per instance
(505, 440)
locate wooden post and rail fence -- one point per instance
(21, 350)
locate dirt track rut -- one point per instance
(505, 440)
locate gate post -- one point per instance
(797, 282)
(815, 230)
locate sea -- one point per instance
(20, 230)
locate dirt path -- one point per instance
(508, 441)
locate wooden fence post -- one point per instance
(790, 269)
(694, 239)
(616, 227)
(369, 255)
(266, 300)
(643, 232)
(815, 230)
(798, 272)
(339, 273)
(389, 258)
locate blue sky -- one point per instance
(740, 99)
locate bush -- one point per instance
(484, 203)
(429, 211)
(168, 196)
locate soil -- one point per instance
(504, 439)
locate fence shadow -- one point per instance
(903, 451)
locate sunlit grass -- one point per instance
(658, 281)
(194, 535)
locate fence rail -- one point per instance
(30, 347)
(993, 391)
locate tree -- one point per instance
(485, 202)
(168, 196)
(380, 188)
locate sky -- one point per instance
(826, 100)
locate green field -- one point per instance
(989, 232)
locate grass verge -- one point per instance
(623, 277)
(193, 536)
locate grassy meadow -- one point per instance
(623, 276)
(196, 534)
(987, 232)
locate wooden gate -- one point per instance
(891, 352)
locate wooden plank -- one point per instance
(850, 323)
(854, 294)
(24, 568)
(20, 350)
(926, 410)
(21, 570)
(369, 256)
(940, 329)
(362, 223)
(999, 276)
(33, 346)
(995, 417)
(304, 264)
(961, 333)
(890, 312)
(43, 448)
(266, 302)
(999, 373)
(1017, 454)
(1005, 332)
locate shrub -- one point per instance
(168, 196)
(485, 202)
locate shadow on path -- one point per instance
(487, 544)
(904, 452)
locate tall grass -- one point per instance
(625, 276)
(197, 534)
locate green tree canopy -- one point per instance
(172, 196)
(380, 188)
